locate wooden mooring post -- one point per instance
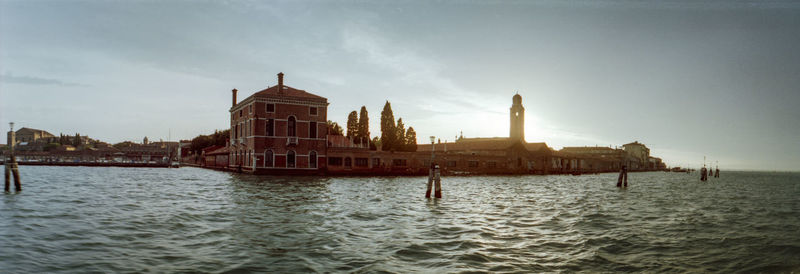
(11, 166)
(623, 175)
(435, 181)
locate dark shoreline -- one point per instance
(90, 164)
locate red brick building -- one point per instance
(279, 130)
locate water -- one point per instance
(89, 219)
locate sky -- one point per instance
(687, 78)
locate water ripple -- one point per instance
(85, 219)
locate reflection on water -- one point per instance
(81, 219)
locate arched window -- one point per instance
(268, 155)
(291, 126)
(312, 159)
(348, 162)
(290, 158)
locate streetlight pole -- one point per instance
(433, 148)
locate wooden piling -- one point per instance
(623, 176)
(7, 168)
(15, 173)
(11, 163)
(438, 179)
(430, 183)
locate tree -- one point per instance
(363, 125)
(352, 125)
(388, 130)
(411, 139)
(401, 136)
(51, 146)
(77, 141)
(218, 138)
(375, 143)
(334, 128)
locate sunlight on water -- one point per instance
(79, 219)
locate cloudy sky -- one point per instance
(718, 79)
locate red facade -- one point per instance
(279, 130)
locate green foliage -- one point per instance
(352, 125)
(375, 143)
(388, 128)
(218, 138)
(334, 128)
(63, 140)
(363, 126)
(76, 142)
(411, 139)
(51, 146)
(401, 136)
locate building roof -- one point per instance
(478, 144)
(635, 143)
(211, 148)
(287, 91)
(587, 148)
(26, 130)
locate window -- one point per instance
(473, 163)
(312, 130)
(312, 159)
(240, 113)
(270, 127)
(451, 163)
(398, 162)
(491, 164)
(268, 155)
(290, 157)
(362, 162)
(270, 107)
(291, 127)
(312, 111)
(348, 162)
(251, 108)
(376, 162)
(334, 161)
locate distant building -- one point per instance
(640, 152)
(279, 130)
(510, 154)
(31, 135)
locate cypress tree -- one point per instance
(388, 131)
(401, 136)
(411, 139)
(77, 141)
(363, 126)
(352, 125)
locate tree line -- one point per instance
(218, 138)
(394, 136)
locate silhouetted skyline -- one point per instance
(687, 79)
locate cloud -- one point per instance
(410, 69)
(30, 80)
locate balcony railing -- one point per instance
(291, 140)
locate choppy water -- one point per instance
(82, 219)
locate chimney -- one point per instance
(280, 81)
(234, 97)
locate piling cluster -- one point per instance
(11, 166)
